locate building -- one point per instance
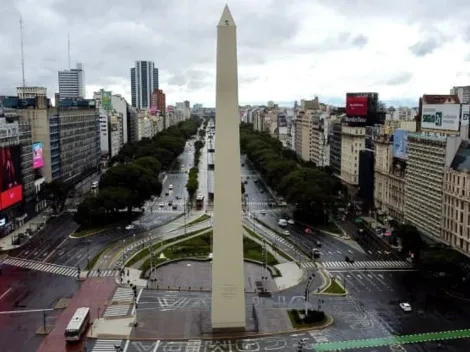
(31, 92)
(366, 179)
(104, 132)
(72, 83)
(129, 117)
(335, 146)
(463, 93)
(79, 129)
(144, 80)
(352, 141)
(455, 221)
(423, 182)
(115, 141)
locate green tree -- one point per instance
(56, 194)
(243, 188)
(90, 212)
(150, 163)
(410, 238)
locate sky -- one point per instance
(287, 50)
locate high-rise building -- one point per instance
(72, 83)
(144, 80)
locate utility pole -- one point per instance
(44, 321)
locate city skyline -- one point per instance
(282, 62)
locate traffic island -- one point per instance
(202, 218)
(310, 319)
(333, 288)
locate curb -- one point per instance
(329, 280)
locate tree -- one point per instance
(90, 212)
(243, 188)
(57, 193)
(150, 163)
(411, 240)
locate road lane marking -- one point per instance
(5, 293)
(25, 311)
(156, 346)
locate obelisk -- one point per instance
(228, 278)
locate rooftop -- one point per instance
(440, 99)
(461, 160)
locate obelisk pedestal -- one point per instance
(228, 278)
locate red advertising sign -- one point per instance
(11, 196)
(356, 106)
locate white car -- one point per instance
(170, 187)
(130, 227)
(290, 222)
(263, 212)
(162, 205)
(286, 233)
(405, 307)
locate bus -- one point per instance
(200, 201)
(78, 324)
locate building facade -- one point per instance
(352, 141)
(72, 83)
(144, 80)
(334, 141)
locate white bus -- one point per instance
(78, 324)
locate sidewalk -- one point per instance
(33, 226)
(111, 328)
(291, 275)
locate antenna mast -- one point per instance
(68, 48)
(22, 53)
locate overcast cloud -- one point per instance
(288, 50)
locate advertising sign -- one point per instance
(465, 115)
(11, 189)
(356, 106)
(400, 144)
(38, 159)
(441, 117)
(106, 100)
(153, 110)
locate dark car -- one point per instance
(175, 207)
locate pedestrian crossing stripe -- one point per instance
(117, 310)
(367, 264)
(54, 268)
(106, 345)
(123, 294)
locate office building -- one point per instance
(463, 93)
(335, 146)
(72, 83)
(352, 141)
(31, 92)
(144, 80)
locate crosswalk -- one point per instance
(278, 238)
(193, 346)
(372, 264)
(117, 310)
(54, 268)
(123, 294)
(40, 266)
(107, 345)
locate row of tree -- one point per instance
(192, 184)
(313, 190)
(133, 176)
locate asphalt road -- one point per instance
(42, 245)
(30, 293)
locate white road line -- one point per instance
(25, 311)
(157, 344)
(5, 293)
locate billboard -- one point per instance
(153, 109)
(106, 100)
(356, 106)
(400, 144)
(465, 115)
(440, 117)
(38, 158)
(11, 189)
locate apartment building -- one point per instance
(115, 134)
(334, 141)
(72, 83)
(352, 141)
(31, 92)
(463, 92)
(455, 223)
(79, 143)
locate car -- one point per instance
(130, 227)
(167, 193)
(263, 212)
(170, 203)
(318, 243)
(174, 207)
(316, 253)
(290, 222)
(162, 205)
(282, 223)
(406, 307)
(170, 187)
(286, 233)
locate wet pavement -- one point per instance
(197, 276)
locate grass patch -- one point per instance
(330, 227)
(259, 237)
(202, 218)
(301, 321)
(95, 259)
(200, 247)
(334, 288)
(145, 252)
(93, 231)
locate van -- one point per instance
(282, 222)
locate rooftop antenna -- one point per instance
(68, 47)
(22, 52)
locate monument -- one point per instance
(228, 277)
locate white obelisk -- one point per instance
(228, 277)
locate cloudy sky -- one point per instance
(287, 50)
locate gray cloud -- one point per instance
(396, 79)
(425, 47)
